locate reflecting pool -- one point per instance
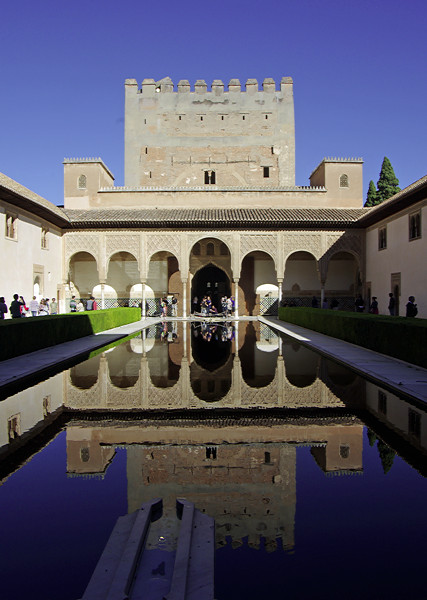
(316, 477)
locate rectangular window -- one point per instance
(266, 171)
(415, 226)
(382, 238)
(14, 427)
(382, 402)
(210, 178)
(414, 423)
(11, 230)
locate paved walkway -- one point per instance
(402, 377)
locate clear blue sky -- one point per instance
(359, 70)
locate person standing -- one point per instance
(73, 304)
(359, 304)
(391, 304)
(34, 307)
(3, 308)
(174, 306)
(53, 307)
(411, 307)
(15, 307)
(373, 309)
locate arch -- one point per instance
(82, 182)
(210, 280)
(301, 364)
(82, 273)
(342, 274)
(122, 274)
(164, 278)
(85, 375)
(202, 240)
(258, 268)
(258, 367)
(301, 279)
(123, 365)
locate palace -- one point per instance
(210, 205)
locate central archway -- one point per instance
(212, 281)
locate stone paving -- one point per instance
(402, 377)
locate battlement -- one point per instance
(149, 87)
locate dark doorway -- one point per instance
(210, 281)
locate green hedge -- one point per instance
(20, 336)
(399, 337)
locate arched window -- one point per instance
(344, 180)
(210, 249)
(82, 182)
(196, 249)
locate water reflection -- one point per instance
(220, 417)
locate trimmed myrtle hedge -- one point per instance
(20, 336)
(400, 337)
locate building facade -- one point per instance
(209, 206)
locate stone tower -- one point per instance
(228, 138)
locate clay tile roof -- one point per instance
(236, 218)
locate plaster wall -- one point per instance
(23, 256)
(178, 135)
(264, 272)
(403, 256)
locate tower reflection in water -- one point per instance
(238, 421)
(202, 413)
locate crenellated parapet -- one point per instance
(149, 87)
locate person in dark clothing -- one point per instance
(359, 304)
(314, 303)
(15, 307)
(411, 307)
(3, 308)
(391, 304)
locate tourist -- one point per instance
(53, 307)
(411, 307)
(373, 309)
(174, 306)
(164, 305)
(47, 304)
(314, 303)
(43, 308)
(34, 307)
(91, 304)
(3, 308)
(24, 307)
(229, 306)
(325, 303)
(195, 304)
(73, 304)
(391, 304)
(15, 307)
(359, 304)
(334, 304)
(80, 307)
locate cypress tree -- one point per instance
(372, 198)
(388, 183)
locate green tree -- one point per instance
(387, 455)
(372, 198)
(371, 437)
(388, 183)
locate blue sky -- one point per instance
(359, 70)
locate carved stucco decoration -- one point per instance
(264, 242)
(82, 242)
(302, 241)
(344, 242)
(122, 243)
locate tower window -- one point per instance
(344, 181)
(44, 239)
(266, 171)
(82, 183)
(210, 178)
(146, 150)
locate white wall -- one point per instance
(20, 256)
(400, 256)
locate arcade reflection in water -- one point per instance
(255, 397)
